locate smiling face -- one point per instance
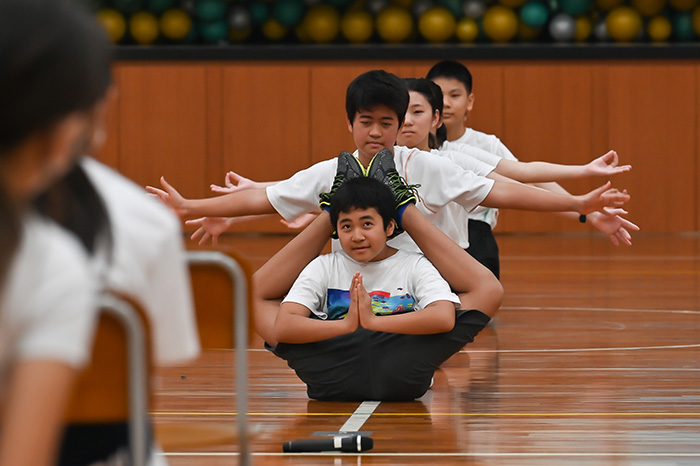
(421, 120)
(362, 235)
(373, 130)
(457, 104)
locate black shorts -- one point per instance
(483, 246)
(367, 365)
(103, 443)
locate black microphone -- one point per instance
(345, 443)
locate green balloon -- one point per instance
(534, 14)
(210, 10)
(288, 12)
(683, 27)
(576, 7)
(128, 6)
(259, 13)
(213, 31)
(159, 6)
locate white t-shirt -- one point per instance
(148, 262)
(492, 145)
(47, 304)
(403, 282)
(441, 180)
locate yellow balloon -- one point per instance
(322, 23)
(648, 7)
(683, 5)
(357, 26)
(659, 29)
(500, 23)
(113, 22)
(144, 27)
(175, 24)
(273, 30)
(467, 30)
(623, 24)
(394, 24)
(437, 24)
(584, 27)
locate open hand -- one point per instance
(234, 182)
(170, 197)
(602, 197)
(616, 227)
(604, 166)
(209, 228)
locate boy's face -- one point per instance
(457, 102)
(373, 130)
(362, 234)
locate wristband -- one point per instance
(582, 218)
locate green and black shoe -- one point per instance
(348, 168)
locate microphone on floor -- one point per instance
(343, 443)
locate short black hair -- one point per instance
(376, 87)
(363, 193)
(452, 70)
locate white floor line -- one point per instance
(360, 416)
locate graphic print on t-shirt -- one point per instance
(383, 303)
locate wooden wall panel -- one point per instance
(548, 116)
(163, 125)
(193, 121)
(653, 124)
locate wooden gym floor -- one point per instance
(594, 359)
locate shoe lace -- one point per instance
(401, 187)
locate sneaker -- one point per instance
(382, 168)
(348, 168)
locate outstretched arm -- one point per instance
(437, 317)
(523, 197)
(234, 182)
(535, 172)
(252, 201)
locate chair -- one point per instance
(218, 276)
(114, 388)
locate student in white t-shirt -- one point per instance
(422, 128)
(55, 68)
(369, 321)
(455, 80)
(376, 104)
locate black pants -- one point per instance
(483, 247)
(367, 365)
(85, 444)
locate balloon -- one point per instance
(239, 18)
(453, 6)
(500, 23)
(259, 12)
(648, 7)
(210, 10)
(143, 27)
(214, 31)
(683, 27)
(113, 22)
(467, 30)
(600, 30)
(322, 23)
(583, 28)
(576, 7)
(659, 29)
(562, 27)
(288, 12)
(394, 24)
(437, 24)
(376, 6)
(274, 30)
(474, 8)
(623, 24)
(175, 24)
(534, 14)
(357, 26)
